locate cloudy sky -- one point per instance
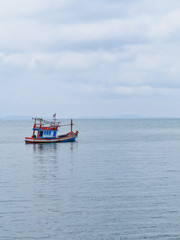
(89, 58)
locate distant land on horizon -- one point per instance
(18, 117)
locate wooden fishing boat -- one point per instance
(46, 132)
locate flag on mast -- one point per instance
(54, 115)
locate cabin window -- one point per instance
(41, 133)
(47, 132)
(54, 134)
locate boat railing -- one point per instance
(43, 121)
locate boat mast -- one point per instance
(71, 125)
(34, 126)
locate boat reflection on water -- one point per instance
(49, 152)
(41, 147)
(53, 147)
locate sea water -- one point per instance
(120, 180)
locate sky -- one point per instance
(89, 58)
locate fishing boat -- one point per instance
(46, 132)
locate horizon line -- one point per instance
(25, 117)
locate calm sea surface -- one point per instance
(120, 180)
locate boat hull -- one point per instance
(66, 138)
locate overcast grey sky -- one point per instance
(90, 58)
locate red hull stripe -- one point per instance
(54, 140)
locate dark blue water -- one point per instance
(120, 180)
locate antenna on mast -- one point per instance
(54, 117)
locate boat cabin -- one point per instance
(41, 130)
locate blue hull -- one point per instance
(69, 140)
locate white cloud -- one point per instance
(29, 34)
(12, 9)
(167, 27)
(144, 90)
